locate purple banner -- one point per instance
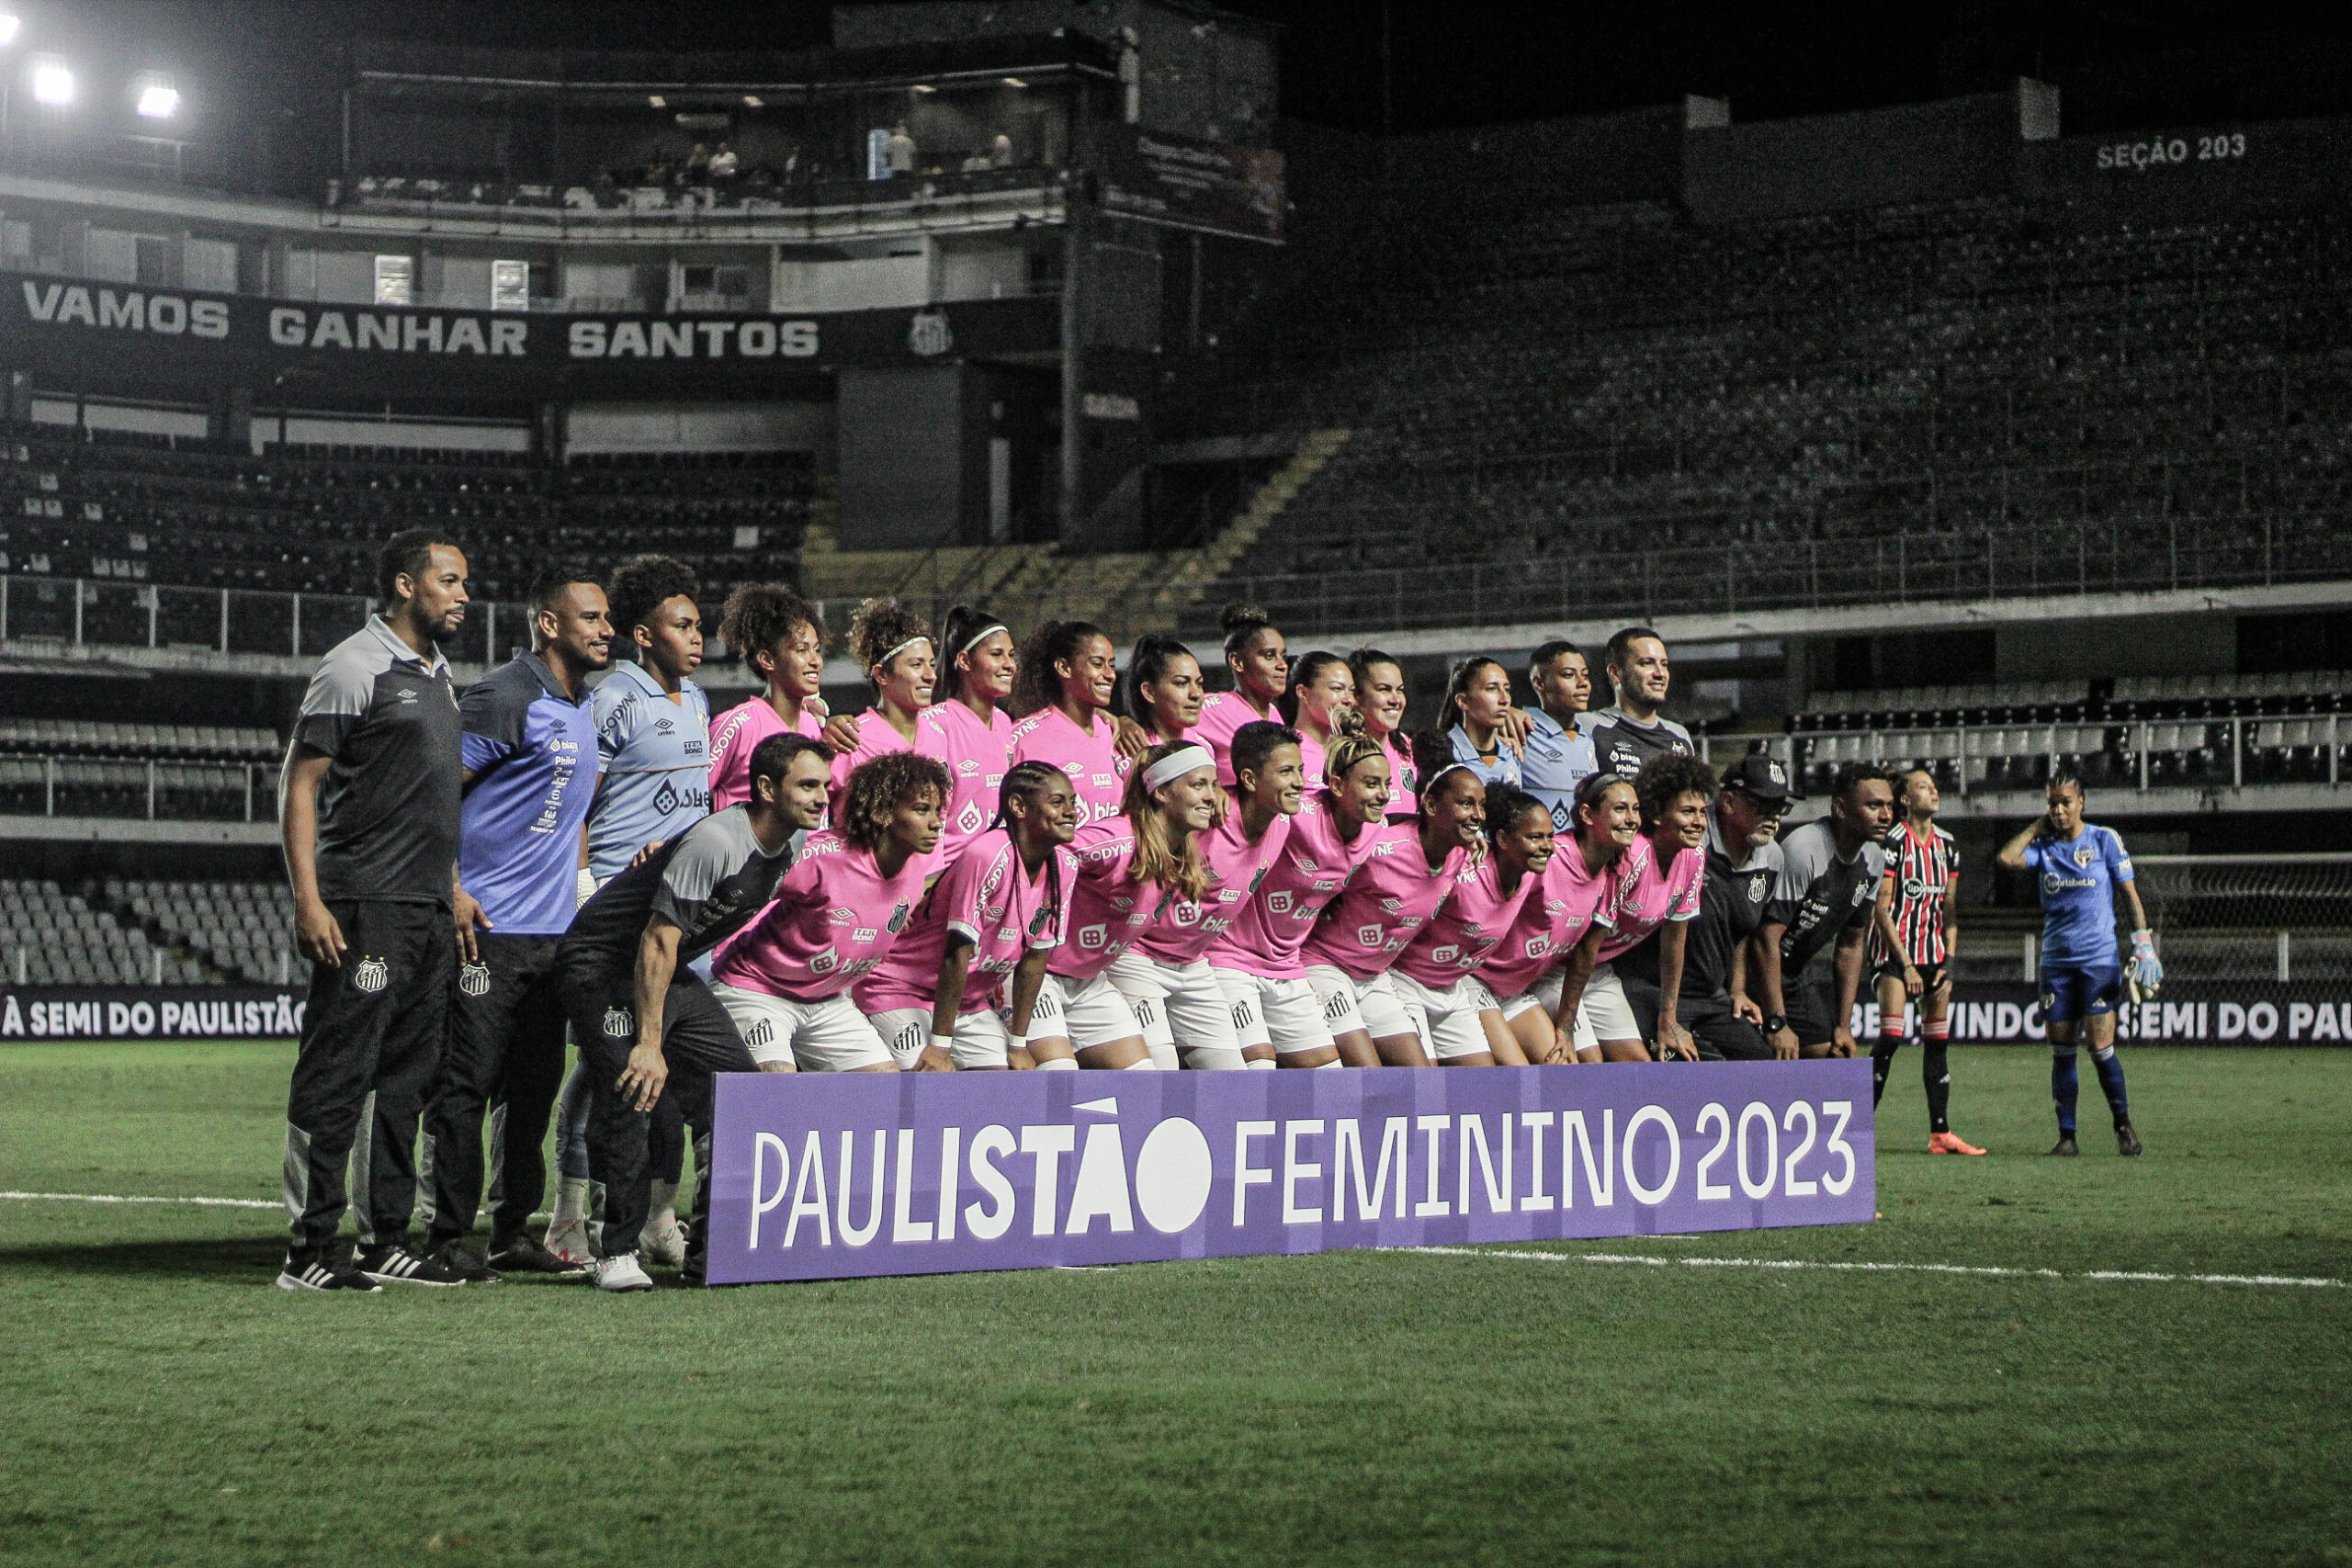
(837, 1176)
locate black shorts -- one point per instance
(1931, 975)
(1813, 1010)
(1719, 1033)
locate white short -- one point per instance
(1285, 1014)
(1448, 1019)
(831, 1036)
(1351, 1004)
(1544, 994)
(981, 1039)
(1178, 1004)
(1604, 1013)
(1087, 1013)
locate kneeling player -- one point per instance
(644, 1020)
(2081, 868)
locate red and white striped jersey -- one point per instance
(1920, 871)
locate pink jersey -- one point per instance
(988, 897)
(1467, 926)
(1569, 903)
(1647, 897)
(876, 737)
(1108, 907)
(1265, 939)
(1310, 762)
(1097, 772)
(1404, 779)
(977, 755)
(1222, 713)
(1185, 930)
(1384, 903)
(833, 919)
(735, 735)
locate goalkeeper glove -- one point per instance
(2147, 970)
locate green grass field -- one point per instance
(164, 1405)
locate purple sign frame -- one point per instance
(842, 1176)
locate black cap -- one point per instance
(1759, 775)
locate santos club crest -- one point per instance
(619, 1025)
(370, 974)
(474, 979)
(929, 334)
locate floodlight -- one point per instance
(8, 25)
(754, 101)
(657, 101)
(53, 82)
(1014, 82)
(923, 87)
(158, 100)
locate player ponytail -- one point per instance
(964, 629)
(1037, 683)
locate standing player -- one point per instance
(1630, 731)
(1068, 674)
(1483, 736)
(2081, 870)
(1381, 699)
(1259, 660)
(1912, 933)
(1825, 891)
(530, 753)
(1320, 706)
(1559, 754)
(368, 809)
(965, 731)
(648, 1028)
(776, 632)
(1164, 689)
(653, 761)
(894, 644)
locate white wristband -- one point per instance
(942, 1043)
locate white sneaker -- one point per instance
(664, 1241)
(622, 1273)
(568, 1241)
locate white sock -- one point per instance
(1145, 1066)
(1165, 1057)
(1058, 1065)
(662, 1210)
(1260, 1066)
(570, 1201)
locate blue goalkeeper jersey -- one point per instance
(532, 752)
(2077, 877)
(654, 755)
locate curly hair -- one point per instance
(1181, 874)
(642, 584)
(1666, 778)
(877, 790)
(1037, 685)
(879, 627)
(759, 615)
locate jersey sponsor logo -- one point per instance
(619, 1024)
(1186, 914)
(971, 819)
(1306, 863)
(370, 974)
(1446, 953)
(2055, 882)
(1368, 936)
(825, 961)
(1914, 889)
(1280, 903)
(1093, 938)
(1537, 947)
(474, 979)
(865, 933)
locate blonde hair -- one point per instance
(1181, 873)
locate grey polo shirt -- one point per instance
(387, 813)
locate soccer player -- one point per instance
(1320, 706)
(648, 1026)
(530, 753)
(785, 979)
(1743, 858)
(1259, 660)
(1573, 914)
(1165, 973)
(2081, 870)
(653, 761)
(1068, 674)
(368, 808)
(1479, 698)
(1630, 731)
(1127, 866)
(1558, 754)
(1436, 977)
(1165, 689)
(1659, 880)
(1381, 699)
(777, 635)
(1257, 959)
(1825, 891)
(1912, 933)
(1405, 878)
(894, 644)
(964, 730)
(958, 989)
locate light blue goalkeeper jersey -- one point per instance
(654, 759)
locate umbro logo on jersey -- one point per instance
(1392, 906)
(370, 974)
(841, 916)
(968, 766)
(619, 1025)
(408, 698)
(474, 979)
(664, 727)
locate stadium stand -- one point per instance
(53, 937)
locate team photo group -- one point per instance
(1026, 855)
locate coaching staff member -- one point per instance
(367, 807)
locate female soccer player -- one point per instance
(959, 989)
(1480, 699)
(1437, 975)
(2082, 869)
(1321, 705)
(774, 632)
(1257, 959)
(1407, 876)
(1068, 674)
(1258, 661)
(1659, 879)
(1559, 751)
(1165, 976)
(964, 730)
(1380, 698)
(1128, 865)
(1576, 912)
(895, 645)
(1912, 936)
(786, 978)
(1164, 689)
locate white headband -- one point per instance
(982, 635)
(884, 662)
(1175, 765)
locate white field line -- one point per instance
(1794, 1263)
(114, 1198)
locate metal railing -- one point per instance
(81, 612)
(134, 789)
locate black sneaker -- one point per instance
(524, 1255)
(2065, 1146)
(393, 1264)
(323, 1274)
(2127, 1142)
(452, 1255)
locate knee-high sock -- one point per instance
(1936, 1068)
(2064, 1085)
(2111, 1081)
(1881, 1064)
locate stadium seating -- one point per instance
(244, 931)
(49, 937)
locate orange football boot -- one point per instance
(1950, 1144)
